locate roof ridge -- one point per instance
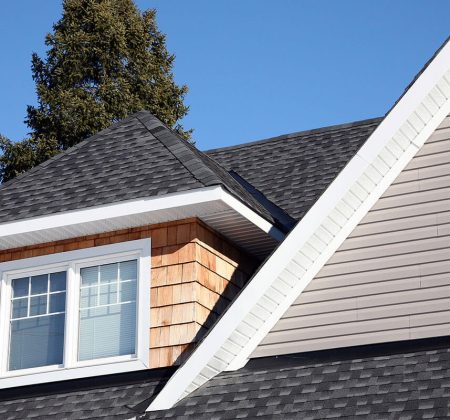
(155, 126)
(329, 128)
(197, 161)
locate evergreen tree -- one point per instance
(105, 60)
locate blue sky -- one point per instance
(257, 68)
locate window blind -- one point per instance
(107, 310)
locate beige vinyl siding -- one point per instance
(390, 279)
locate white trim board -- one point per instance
(318, 235)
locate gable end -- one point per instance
(390, 279)
(319, 234)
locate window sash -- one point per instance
(111, 313)
(46, 325)
(72, 266)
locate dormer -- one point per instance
(119, 254)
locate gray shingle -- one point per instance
(295, 169)
(137, 157)
(114, 397)
(378, 381)
(396, 380)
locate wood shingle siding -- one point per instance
(390, 279)
(195, 273)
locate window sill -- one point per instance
(62, 374)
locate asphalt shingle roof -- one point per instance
(406, 381)
(114, 397)
(293, 170)
(279, 178)
(136, 157)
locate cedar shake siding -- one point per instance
(390, 279)
(195, 275)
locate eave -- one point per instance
(214, 205)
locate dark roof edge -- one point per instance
(405, 91)
(298, 134)
(71, 385)
(349, 353)
(278, 213)
(203, 168)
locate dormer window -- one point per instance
(64, 312)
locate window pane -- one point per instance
(57, 281)
(108, 273)
(107, 326)
(37, 335)
(19, 308)
(128, 291)
(128, 270)
(89, 276)
(108, 294)
(57, 302)
(39, 284)
(36, 342)
(107, 331)
(38, 305)
(20, 287)
(88, 297)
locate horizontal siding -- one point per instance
(390, 279)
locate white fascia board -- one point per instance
(355, 167)
(182, 379)
(251, 216)
(326, 203)
(197, 197)
(204, 363)
(110, 211)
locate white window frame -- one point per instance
(72, 262)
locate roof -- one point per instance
(114, 397)
(279, 178)
(404, 380)
(136, 157)
(367, 382)
(370, 382)
(293, 170)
